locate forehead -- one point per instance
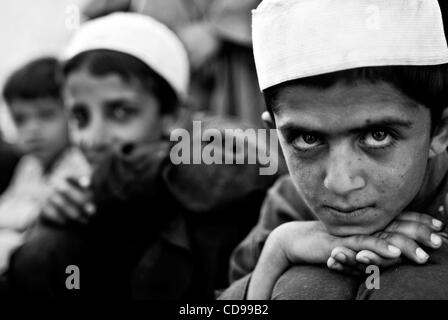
(343, 105)
(82, 84)
(35, 105)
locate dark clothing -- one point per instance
(9, 157)
(284, 204)
(162, 231)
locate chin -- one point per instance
(350, 230)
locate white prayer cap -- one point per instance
(294, 39)
(139, 36)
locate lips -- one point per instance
(347, 212)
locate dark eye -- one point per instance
(19, 120)
(378, 139)
(80, 116)
(306, 142)
(122, 113)
(379, 135)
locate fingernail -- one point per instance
(90, 209)
(341, 257)
(84, 182)
(422, 255)
(363, 259)
(435, 239)
(331, 261)
(436, 223)
(394, 250)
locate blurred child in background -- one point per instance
(32, 94)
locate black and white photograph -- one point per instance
(211, 156)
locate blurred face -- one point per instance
(357, 154)
(107, 113)
(42, 127)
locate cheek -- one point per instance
(141, 130)
(398, 184)
(397, 181)
(307, 176)
(77, 136)
(57, 128)
(147, 127)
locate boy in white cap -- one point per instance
(357, 90)
(144, 228)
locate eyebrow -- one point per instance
(116, 102)
(290, 128)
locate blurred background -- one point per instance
(29, 29)
(216, 34)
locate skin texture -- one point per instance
(42, 128)
(107, 113)
(356, 182)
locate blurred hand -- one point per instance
(71, 202)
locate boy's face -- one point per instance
(42, 127)
(107, 112)
(357, 154)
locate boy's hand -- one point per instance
(407, 232)
(305, 242)
(70, 202)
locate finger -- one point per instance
(79, 198)
(346, 257)
(50, 213)
(375, 244)
(368, 258)
(408, 247)
(81, 183)
(416, 231)
(425, 219)
(332, 264)
(65, 208)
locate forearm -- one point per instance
(290, 244)
(270, 266)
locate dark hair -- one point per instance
(36, 79)
(103, 62)
(427, 85)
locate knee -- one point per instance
(410, 282)
(314, 283)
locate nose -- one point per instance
(343, 174)
(94, 138)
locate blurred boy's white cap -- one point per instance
(294, 39)
(140, 36)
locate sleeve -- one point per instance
(282, 204)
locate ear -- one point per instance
(439, 141)
(267, 119)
